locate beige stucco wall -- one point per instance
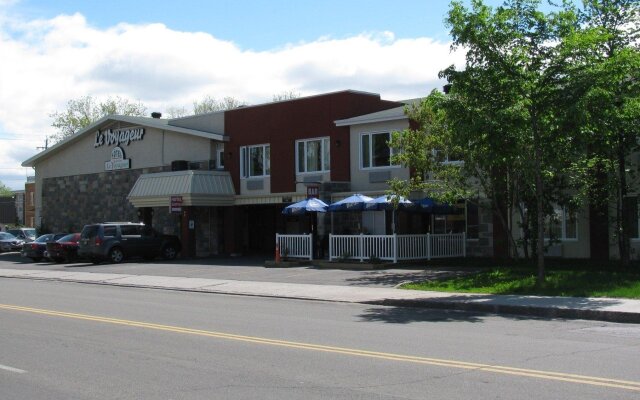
(157, 148)
(360, 177)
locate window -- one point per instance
(130, 230)
(561, 225)
(463, 218)
(110, 231)
(445, 158)
(375, 150)
(312, 155)
(220, 159)
(255, 161)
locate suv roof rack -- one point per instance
(122, 223)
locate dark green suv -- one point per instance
(115, 241)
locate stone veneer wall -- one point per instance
(70, 202)
(208, 226)
(483, 246)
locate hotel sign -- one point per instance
(118, 136)
(176, 204)
(117, 160)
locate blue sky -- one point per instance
(262, 24)
(168, 54)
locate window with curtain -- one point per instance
(255, 161)
(312, 155)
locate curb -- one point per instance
(527, 311)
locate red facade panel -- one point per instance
(281, 124)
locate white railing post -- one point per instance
(310, 246)
(395, 248)
(361, 247)
(428, 246)
(464, 244)
(330, 246)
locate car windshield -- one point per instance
(44, 238)
(72, 237)
(30, 233)
(6, 236)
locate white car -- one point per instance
(8, 242)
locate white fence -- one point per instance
(295, 246)
(396, 247)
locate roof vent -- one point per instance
(156, 115)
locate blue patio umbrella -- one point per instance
(355, 202)
(385, 202)
(430, 205)
(305, 206)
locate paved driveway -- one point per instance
(239, 268)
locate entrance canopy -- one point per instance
(197, 188)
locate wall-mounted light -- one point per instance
(338, 143)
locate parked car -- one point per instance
(35, 250)
(26, 234)
(64, 249)
(116, 241)
(8, 242)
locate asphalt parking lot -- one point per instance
(238, 268)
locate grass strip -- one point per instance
(505, 280)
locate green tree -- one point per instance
(4, 190)
(84, 111)
(605, 65)
(502, 107)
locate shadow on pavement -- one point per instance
(395, 277)
(406, 315)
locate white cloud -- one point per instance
(45, 63)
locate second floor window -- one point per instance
(312, 155)
(255, 161)
(374, 150)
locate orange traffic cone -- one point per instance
(277, 252)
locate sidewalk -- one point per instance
(603, 309)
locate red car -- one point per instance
(64, 249)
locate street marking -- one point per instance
(11, 369)
(523, 372)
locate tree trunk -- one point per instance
(539, 198)
(624, 242)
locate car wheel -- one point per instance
(116, 255)
(36, 259)
(169, 252)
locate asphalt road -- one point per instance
(70, 341)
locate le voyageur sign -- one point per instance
(118, 137)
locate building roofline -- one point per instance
(143, 121)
